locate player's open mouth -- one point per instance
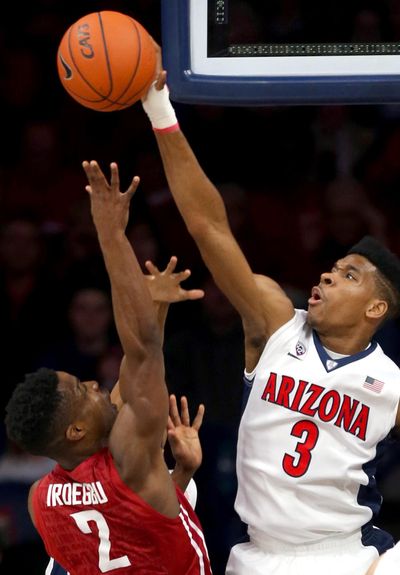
(316, 296)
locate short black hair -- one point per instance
(388, 266)
(31, 411)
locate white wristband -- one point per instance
(158, 107)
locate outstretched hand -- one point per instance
(183, 437)
(110, 207)
(165, 286)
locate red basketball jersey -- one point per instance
(92, 523)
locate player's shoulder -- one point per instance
(41, 483)
(384, 359)
(300, 316)
(296, 321)
(31, 495)
(33, 487)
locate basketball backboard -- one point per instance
(236, 52)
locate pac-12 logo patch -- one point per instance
(300, 348)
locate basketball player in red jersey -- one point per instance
(323, 396)
(110, 504)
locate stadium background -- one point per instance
(301, 185)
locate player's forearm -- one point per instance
(198, 200)
(182, 476)
(196, 197)
(133, 308)
(161, 309)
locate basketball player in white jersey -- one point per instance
(323, 394)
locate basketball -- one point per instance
(106, 61)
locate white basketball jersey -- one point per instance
(389, 563)
(309, 437)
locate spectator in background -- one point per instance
(76, 255)
(29, 306)
(340, 141)
(347, 214)
(90, 335)
(206, 364)
(141, 234)
(380, 174)
(41, 178)
(30, 310)
(108, 366)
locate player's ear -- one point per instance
(75, 431)
(377, 309)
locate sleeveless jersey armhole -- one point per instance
(299, 314)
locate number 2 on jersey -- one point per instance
(308, 432)
(82, 519)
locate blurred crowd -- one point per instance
(317, 180)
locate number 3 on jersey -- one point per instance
(308, 432)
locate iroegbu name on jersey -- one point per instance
(75, 494)
(314, 400)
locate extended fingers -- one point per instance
(151, 268)
(183, 275)
(193, 294)
(170, 424)
(171, 265)
(97, 178)
(93, 172)
(175, 419)
(173, 410)
(185, 418)
(114, 175)
(198, 420)
(133, 187)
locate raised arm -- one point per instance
(165, 288)
(203, 211)
(138, 431)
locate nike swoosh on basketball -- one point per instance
(68, 71)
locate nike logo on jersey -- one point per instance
(313, 400)
(292, 355)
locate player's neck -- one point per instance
(343, 345)
(71, 460)
(70, 463)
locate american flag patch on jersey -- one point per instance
(373, 384)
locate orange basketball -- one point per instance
(106, 61)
